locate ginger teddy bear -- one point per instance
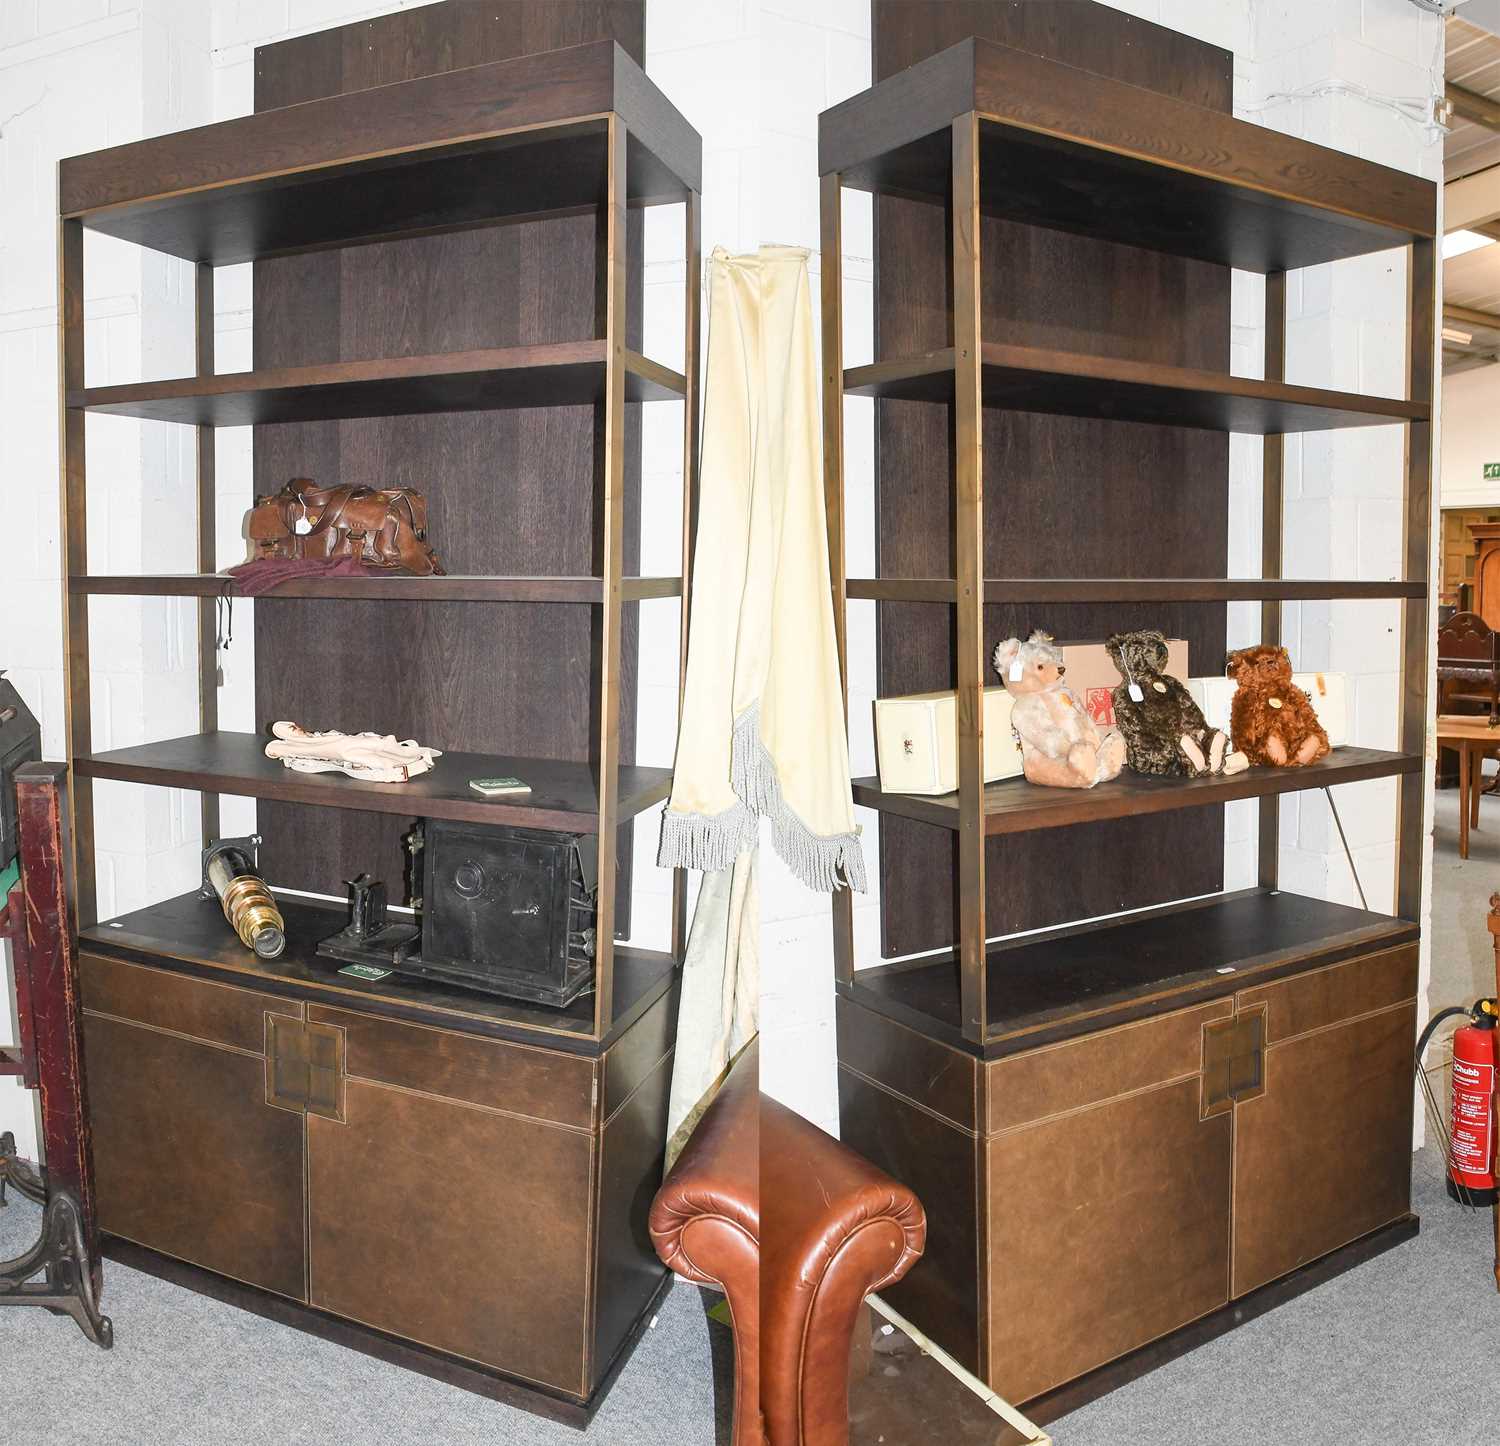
(1165, 732)
(1272, 719)
(1060, 744)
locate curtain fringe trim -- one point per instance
(824, 863)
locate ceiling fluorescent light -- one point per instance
(1459, 243)
(1452, 333)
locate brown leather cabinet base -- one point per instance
(388, 1164)
(1096, 1200)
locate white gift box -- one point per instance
(1328, 692)
(916, 741)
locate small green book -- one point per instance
(366, 971)
(498, 787)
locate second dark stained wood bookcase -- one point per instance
(1120, 1128)
(444, 211)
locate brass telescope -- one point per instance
(230, 874)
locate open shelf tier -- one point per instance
(1016, 806)
(490, 142)
(397, 587)
(563, 795)
(1084, 977)
(561, 375)
(1034, 379)
(1078, 151)
(189, 932)
(1129, 589)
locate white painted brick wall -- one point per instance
(76, 75)
(1469, 439)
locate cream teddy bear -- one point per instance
(1060, 744)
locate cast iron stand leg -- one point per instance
(60, 1255)
(15, 1171)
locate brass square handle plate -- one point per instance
(305, 1067)
(1234, 1061)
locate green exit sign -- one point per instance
(1492, 471)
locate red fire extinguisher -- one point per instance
(1471, 1148)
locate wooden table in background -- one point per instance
(1473, 738)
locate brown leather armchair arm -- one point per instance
(835, 1229)
(705, 1223)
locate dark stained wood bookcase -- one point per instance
(444, 210)
(1119, 1126)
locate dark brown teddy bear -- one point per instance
(1272, 719)
(1166, 734)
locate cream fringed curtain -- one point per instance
(762, 731)
(720, 1008)
(762, 728)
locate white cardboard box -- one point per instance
(1329, 693)
(916, 741)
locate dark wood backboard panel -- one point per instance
(1063, 496)
(509, 492)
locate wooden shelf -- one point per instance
(1083, 977)
(1129, 589)
(1032, 379)
(1077, 151)
(501, 141)
(189, 932)
(396, 588)
(1016, 806)
(563, 795)
(561, 375)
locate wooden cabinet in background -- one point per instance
(1486, 602)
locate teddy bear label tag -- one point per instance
(1160, 687)
(1136, 696)
(1017, 670)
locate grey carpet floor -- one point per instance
(188, 1371)
(1401, 1350)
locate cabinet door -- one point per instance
(1108, 1199)
(189, 1158)
(460, 1223)
(1324, 1155)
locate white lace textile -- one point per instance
(372, 757)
